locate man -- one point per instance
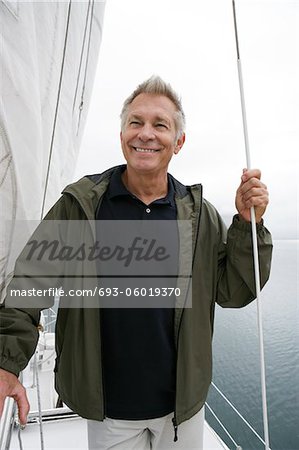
(141, 376)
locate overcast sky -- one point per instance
(191, 44)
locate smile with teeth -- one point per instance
(145, 150)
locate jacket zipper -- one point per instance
(101, 344)
(174, 420)
(102, 368)
(175, 426)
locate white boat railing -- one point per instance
(9, 420)
(250, 427)
(7, 423)
(238, 447)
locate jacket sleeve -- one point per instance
(20, 314)
(236, 279)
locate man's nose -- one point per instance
(146, 133)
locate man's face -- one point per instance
(149, 137)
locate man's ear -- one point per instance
(180, 143)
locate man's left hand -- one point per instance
(251, 192)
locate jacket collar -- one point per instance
(90, 189)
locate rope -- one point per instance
(255, 245)
(20, 428)
(39, 403)
(19, 437)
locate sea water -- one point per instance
(236, 369)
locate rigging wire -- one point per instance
(81, 54)
(56, 109)
(86, 65)
(254, 243)
(39, 402)
(43, 208)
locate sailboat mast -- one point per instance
(254, 242)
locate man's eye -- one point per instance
(161, 125)
(134, 122)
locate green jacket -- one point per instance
(222, 272)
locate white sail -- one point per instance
(49, 52)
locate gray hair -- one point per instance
(156, 86)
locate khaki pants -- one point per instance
(151, 434)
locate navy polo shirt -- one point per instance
(138, 349)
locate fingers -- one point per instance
(11, 387)
(2, 400)
(250, 173)
(254, 196)
(23, 404)
(252, 192)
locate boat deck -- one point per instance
(71, 433)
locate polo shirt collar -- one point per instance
(117, 188)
